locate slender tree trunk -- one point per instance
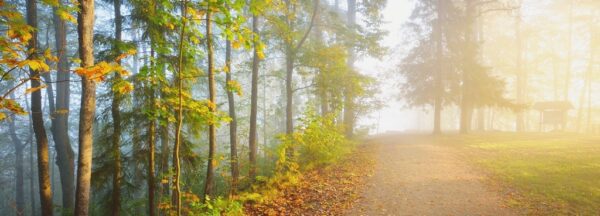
(176, 161)
(520, 124)
(60, 122)
(151, 137)
(38, 119)
(569, 53)
(31, 163)
(466, 106)
(212, 130)
(19, 186)
(254, 104)
(151, 141)
(289, 68)
(164, 160)
(264, 110)
(349, 94)
(437, 113)
(233, 124)
(116, 116)
(85, 29)
(586, 90)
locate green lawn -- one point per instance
(551, 173)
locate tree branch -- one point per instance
(312, 23)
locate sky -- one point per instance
(393, 117)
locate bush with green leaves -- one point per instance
(318, 141)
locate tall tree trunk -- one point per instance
(254, 103)
(60, 121)
(212, 130)
(38, 119)
(19, 186)
(164, 160)
(164, 157)
(349, 94)
(466, 104)
(289, 72)
(233, 124)
(437, 113)
(116, 116)
(151, 141)
(85, 30)
(151, 137)
(569, 53)
(520, 124)
(31, 163)
(176, 160)
(586, 90)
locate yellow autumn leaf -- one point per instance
(125, 88)
(236, 44)
(66, 16)
(36, 65)
(76, 60)
(53, 3)
(30, 90)
(48, 55)
(261, 55)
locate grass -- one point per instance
(551, 173)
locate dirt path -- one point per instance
(415, 176)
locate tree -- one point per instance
(254, 101)
(19, 184)
(291, 44)
(349, 93)
(521, 76)
(37, 117)
(85, 28)
(116, 116)
(233, 124)
(176, 160)
(430, 67)
(212, 129)
(478, 87)
(60, 121)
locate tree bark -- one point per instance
(232, 125)
(212, 130)
(151, 140)
(569, 53)
(437, 113)
(31, 163)
(520, 124)
(289, 68)
(60, 122)
(466, 104)
(116, 116)
(19, 186)
(176, 160)
(254, 104)
(164, 160)
(85, 30)
(291, 48)
(349, 94)
(38, 119)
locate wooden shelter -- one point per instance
(553, 113)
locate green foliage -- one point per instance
(318, 140)
(217, 207)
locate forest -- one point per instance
(299, 107)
